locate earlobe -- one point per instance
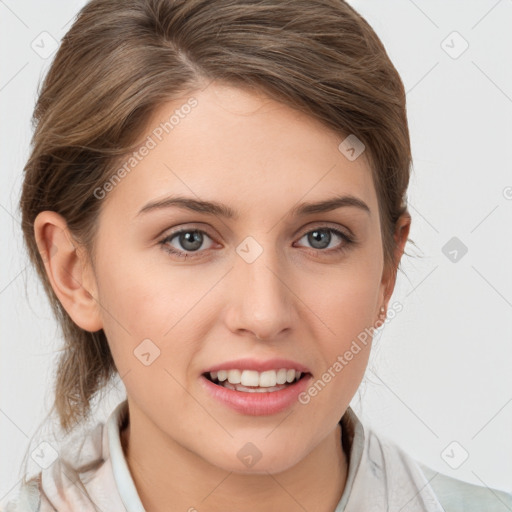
(68, 270)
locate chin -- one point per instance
(251, 461)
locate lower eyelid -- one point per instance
(165, 242)
(345, 239)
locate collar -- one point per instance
(379, 473)
(353, 440)
(122, 476)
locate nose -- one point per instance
(261, 303)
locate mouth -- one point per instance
(256, 393)
(249, 381)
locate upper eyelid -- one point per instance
(303, 232)
(315, 225)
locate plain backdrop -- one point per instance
(439, 381)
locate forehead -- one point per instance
(242, 148)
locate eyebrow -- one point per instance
(222, 210)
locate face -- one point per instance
(183, 291)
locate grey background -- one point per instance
(440, 370)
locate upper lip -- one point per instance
(258, 365)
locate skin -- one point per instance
(295, 300)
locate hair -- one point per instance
(122, 59)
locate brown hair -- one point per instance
(121, 59)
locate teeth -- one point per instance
(249, 378)
(281, 376)
(266, 379)
(235, 376)
(239, 387)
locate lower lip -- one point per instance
(257, 404)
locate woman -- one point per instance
(216, 205)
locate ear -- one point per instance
(69, 271)
(401, 235)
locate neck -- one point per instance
(165, 472)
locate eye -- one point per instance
(189, 239)
(320, 238)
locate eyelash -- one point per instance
(348, 241)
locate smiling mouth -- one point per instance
(254, 389)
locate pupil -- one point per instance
(196, 240)
(319, 234)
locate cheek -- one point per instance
(346, 315)
(147, 321)
(345, 297)
(155, 302)
(343, 304)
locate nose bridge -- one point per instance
(261, 299)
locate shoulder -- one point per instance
(27, 499)
(77, 458)
(459, 496)
(402, 476)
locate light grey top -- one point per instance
(381, 477)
